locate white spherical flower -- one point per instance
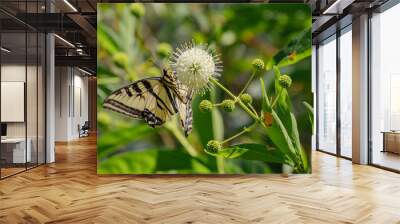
(194, 65)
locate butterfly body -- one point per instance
(153, 100)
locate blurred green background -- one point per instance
(134, 40)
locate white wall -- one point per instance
(16, 73)
(71, 94)
(62, 81)
(12, 73)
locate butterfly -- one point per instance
(154, 100)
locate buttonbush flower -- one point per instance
(213, 146)
(195, 65)
(246, 98)
(228, 105)
(285, 81)
(258, 64)
(137, 9)
(205, 106)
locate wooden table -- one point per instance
(391, 141)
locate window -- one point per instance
(385, 89)
(327, 96)
(346, 92)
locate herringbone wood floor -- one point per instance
(70, 191)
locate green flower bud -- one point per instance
(164, 49)
(228, 105)
(121, 59)
(137, 9)
(213, 146)
(285, 81)
(205, 106)
(246, 98)
(258, 64)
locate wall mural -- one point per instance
(204, 88)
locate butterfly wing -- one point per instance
(185, 111)
(146, 99)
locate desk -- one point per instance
(391, 141)
(18, 149)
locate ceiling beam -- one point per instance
(84, 24)
(89, 30)
(78, 61)
(337, 7)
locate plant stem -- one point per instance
(241, 104)
(247, 83)
(220, 164)
(181, 138)
(276, 99)
(252, 108)
(245, 129)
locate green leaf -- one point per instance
(209, 125)
(252, 152)
(266, 105)
(107, 80)
(299, 149)
(284, 131)
(242, 166)
(104, 71)
(279, 135)
(151, 161)
(107, 40)
(306, 162)
(310, 114)
(298, 57)
(297, 49)
(230, 152)
(295, 133)
(284, 105)
(115, 139)
(174, 127)
(202, 122)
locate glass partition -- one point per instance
(327, 95)
(13, 94)
(22, 95)
(31, 99)
(346, 92)
(385, 89)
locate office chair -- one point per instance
(84, 130)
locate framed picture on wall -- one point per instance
(204, 88)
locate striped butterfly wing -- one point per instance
(185, 111)
(146, 99)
